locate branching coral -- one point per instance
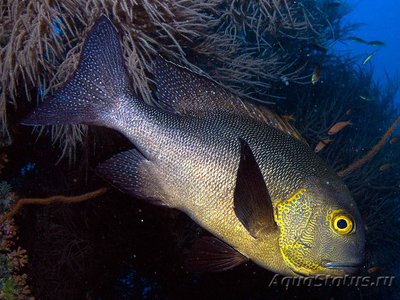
(41, 41)
(264, 42)
(16, 206)
(357, 164)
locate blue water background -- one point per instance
(379, 20)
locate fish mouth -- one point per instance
(348, 268)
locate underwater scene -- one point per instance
(199, 149)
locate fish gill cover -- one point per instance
(276, 51)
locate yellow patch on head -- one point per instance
(285, 206)
(296, 219)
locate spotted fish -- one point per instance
(235, 168)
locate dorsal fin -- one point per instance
(184, 92)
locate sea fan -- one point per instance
(246, 45)
(41, 41)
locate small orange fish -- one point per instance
(338, 127)
(321, 145)
(394, 140)
(385, 167)
(288, 118)
(375, 270)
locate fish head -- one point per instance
(321, 230)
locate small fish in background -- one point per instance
(376, 43)
(348, 112)
(357, 39)
(316, 75)
(385, 167)
(369, 57)
(366, 98)
(322, 144)
(375, 269)
(394, 140)
(338, 127)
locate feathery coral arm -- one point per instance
(358, 163)
(52, 199)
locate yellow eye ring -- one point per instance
(342, 224)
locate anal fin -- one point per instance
(210, 254)
(132, 173)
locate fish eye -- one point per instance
(342, 224)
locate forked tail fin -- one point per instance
(96, 89)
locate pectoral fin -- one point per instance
(210, 254)
(252, 202)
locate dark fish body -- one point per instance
(198, 150)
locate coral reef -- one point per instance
(254, 44)
(264, 50)
(13, 258)
(41, 41)
(244, 45)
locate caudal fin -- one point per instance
(95, 89)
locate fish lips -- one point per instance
(347, 268)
